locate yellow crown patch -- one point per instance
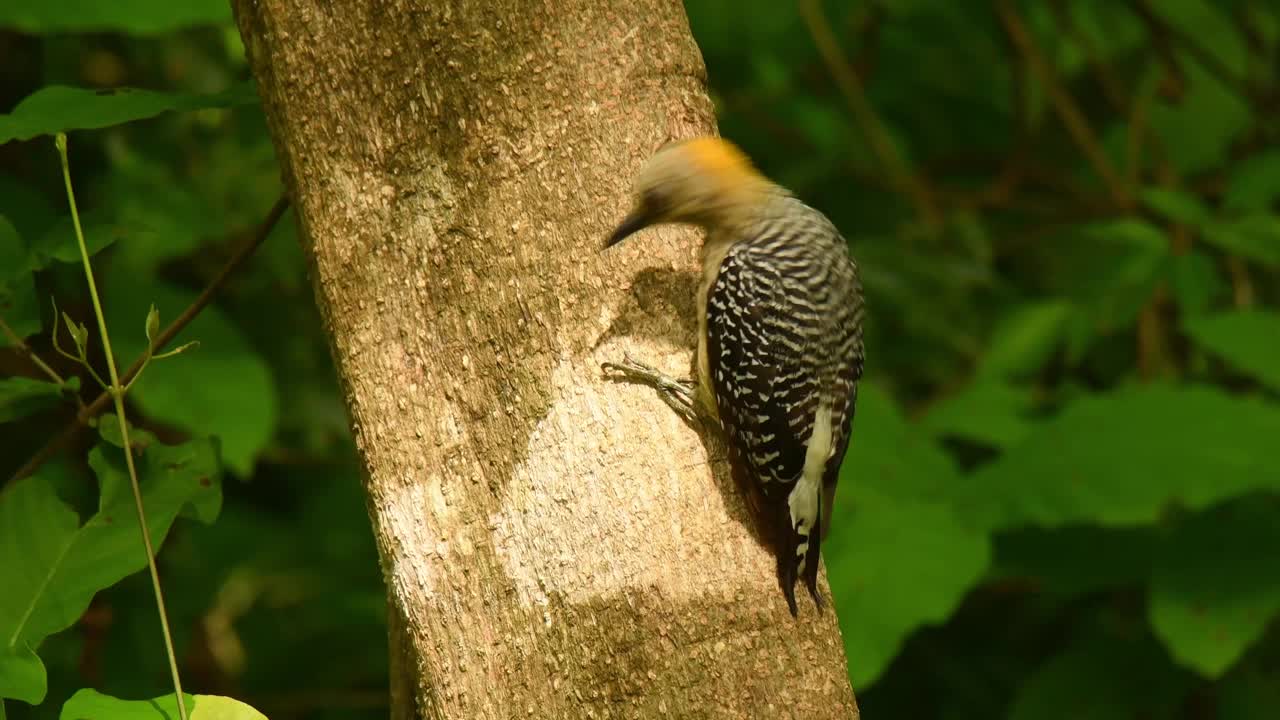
(715, 157)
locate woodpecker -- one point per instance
(780, 349)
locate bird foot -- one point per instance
(680, 394)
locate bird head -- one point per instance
(698, 181)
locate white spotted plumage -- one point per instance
(782, 357)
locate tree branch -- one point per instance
(1162, 33)
(100, 403)
(31, 354)
(1112, 88)
(1068, 111)
(907, 180)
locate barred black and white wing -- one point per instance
(783, 391)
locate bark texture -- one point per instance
(554, 544)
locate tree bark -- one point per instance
(554, 544)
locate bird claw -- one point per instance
(632, 368)
(817, 597)
(789, 588)
(679, 394)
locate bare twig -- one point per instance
(1112, 88)
(1000, 190)
(1136, 137)
(1153, 337)
(31, 354)
(1241, 285)
(1242, 16)
(1069, 112)
(1175, 78)
(872, 126)
(101, 402)
(1162, 33)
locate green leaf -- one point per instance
(1254, 184)
(1254, 237)
(139, 17)
(217, 707)
(182, 477)
(1114, 29)
(1129, 234)
(990, 412)
(1120, 458)
(1026, 338)
(166, 214)
(22, 675)
(27, 207)
(1195, 282)
(1210, 23)
(58, 108)
(1177, 205)
(1103, 676)
(59, 242)
(1112, 271)
(53, 567)
(36, 532)
(109, 431)
(224, 388)
(1247, 339)
(20, 397)
(896, 565)
(12, 251)
(91, 705)
(168, 209)
(19, 308)
(1200, 128)
(1211, 594)
(889, 455)
(17, 288)
(897, 558)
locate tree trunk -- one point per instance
(554, 544)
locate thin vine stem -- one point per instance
(117, 394)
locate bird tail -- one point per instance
(810, 554)
(800, 556)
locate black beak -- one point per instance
(639, 219)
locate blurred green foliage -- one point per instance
(1063, 494)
